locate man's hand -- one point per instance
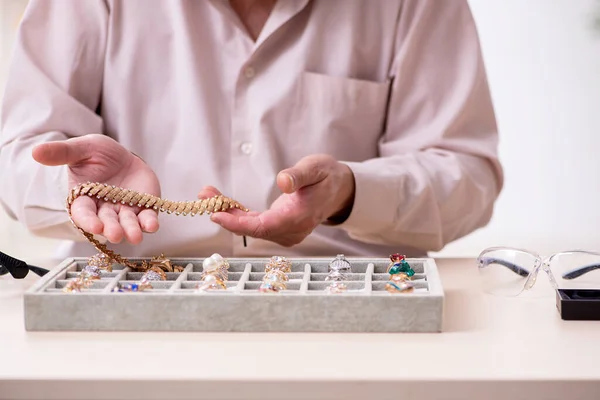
(98, 158)
(316, 189)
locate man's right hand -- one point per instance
(98, 158)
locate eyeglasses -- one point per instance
(510, 271)
(17, 268)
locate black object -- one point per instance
(17, 268)
(578, 304)
(517, 269)
(485, 261)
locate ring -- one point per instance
(278, 263)
(155, 273)
(97, 265)
(398, 284)
(399, 265)
(215, 271)
(339, 269)
(401, 274)
(275, 277)
(101, 261)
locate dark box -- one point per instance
(578, 304)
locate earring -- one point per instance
(215, 273)
(275, 277)
(97, 265)
(339, 269)
(401, 274)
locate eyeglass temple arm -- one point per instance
(18, 268)
(576, 273)
(512, 266)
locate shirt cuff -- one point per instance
(375, 203)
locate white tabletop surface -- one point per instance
(491, 348)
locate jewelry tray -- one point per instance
(174, 304)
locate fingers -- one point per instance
(238, 221)
(84, 215)
(208, 191)
(308, 171)
(68, 152)
(258, 226)
(243, 225)
(113, 231)
(266, 225)
(148, 220)
(211, 191)
(114, 227)
(130, 225)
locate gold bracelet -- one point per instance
(114, 194)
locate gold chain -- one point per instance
(115, 194)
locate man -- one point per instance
(355, 127)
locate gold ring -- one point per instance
(275, 277)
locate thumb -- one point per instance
(308, 171)
(71, 151)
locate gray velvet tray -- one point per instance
(174, 305)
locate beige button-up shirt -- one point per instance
(394, 88)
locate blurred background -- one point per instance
(543, 62)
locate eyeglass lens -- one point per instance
(505, 271)
(576, 270)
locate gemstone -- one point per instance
(266, 288)
(406, 268)
(153, 276)
(279, 263)
(101, 261)
(336, 287)
(336, 276)
(340, 264)
(397, 287)
(91, 271)
(396, 257)
(396, 269)
(211, 282)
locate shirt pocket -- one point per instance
(340, 116)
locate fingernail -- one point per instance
(292, 182)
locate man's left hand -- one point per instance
(318, 188)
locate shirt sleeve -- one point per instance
(52, 91)
(438, 174)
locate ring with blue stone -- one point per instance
(153, 274)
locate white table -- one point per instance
(491, 348)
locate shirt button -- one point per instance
(246, 148)
(249, 72)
